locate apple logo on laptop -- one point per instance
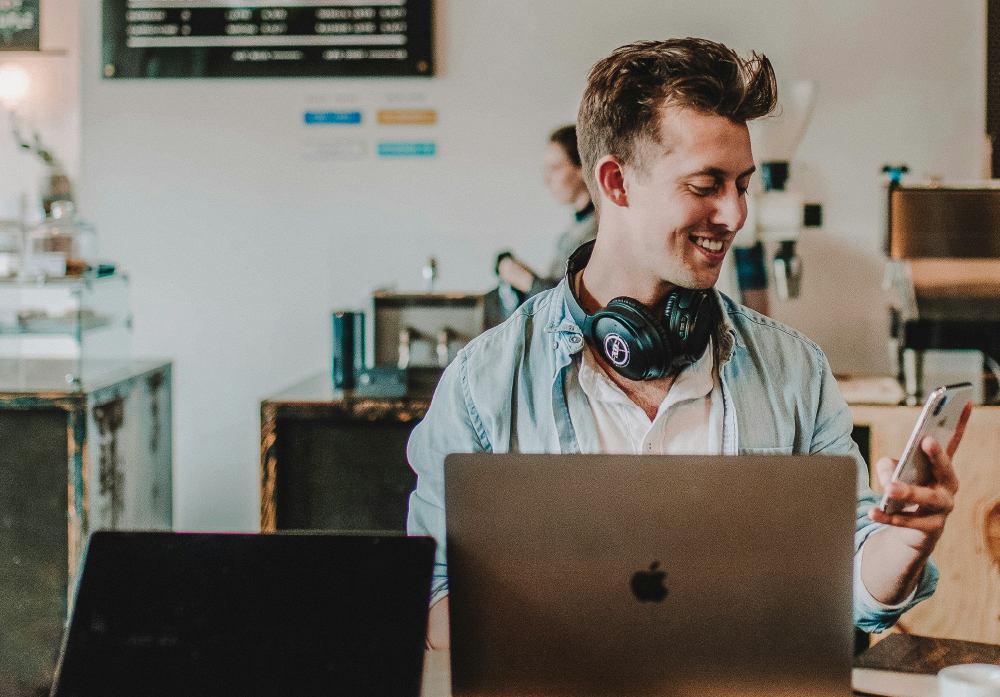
(648, 586)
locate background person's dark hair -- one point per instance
(620, 110)
(565, 137)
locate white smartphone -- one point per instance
(939, 419)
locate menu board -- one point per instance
(285, 38)
(19, 25)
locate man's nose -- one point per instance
(730, 209)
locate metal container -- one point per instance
(348, 347)
(73, 458)
(423, 330)
(944, 222)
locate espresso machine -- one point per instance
(776, 211)
(943, 244)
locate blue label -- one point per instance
(315, 117)
(407, 149)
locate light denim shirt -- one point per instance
(515, 388)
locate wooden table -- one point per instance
(967, 602)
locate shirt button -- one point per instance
(575, 339)
(555, 344)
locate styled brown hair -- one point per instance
(565, 138)
(620, 110)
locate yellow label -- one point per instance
(407, 117)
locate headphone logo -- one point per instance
(616, 350)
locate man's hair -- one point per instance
(621, 107)
(565, 138)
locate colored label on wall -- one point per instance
(332, 117)
(407, 149)
(330, 150)
(407, 117)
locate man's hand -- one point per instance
(516, 274)
(894, 558)
(438, 625)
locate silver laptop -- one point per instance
(650, 575)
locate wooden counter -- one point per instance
(336, 459)
(967, 602)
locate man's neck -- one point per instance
(608, 275)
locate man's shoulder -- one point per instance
(756, 331)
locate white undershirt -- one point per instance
(688, 421)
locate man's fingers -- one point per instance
(960, 431)
(913, 521)
(941, 469)
(935, 499)
(884, 468)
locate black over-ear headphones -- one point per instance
(635, 342)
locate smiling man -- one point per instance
(635, 352)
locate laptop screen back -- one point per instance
(217, 614)
(598, 574)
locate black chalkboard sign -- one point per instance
(288, 38)
(18, 25)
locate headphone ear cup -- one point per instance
(688, 316)
(646, 346)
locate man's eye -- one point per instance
(742, 190)
(702, 190)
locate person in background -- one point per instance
(564, 179)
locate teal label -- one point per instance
(407, 149)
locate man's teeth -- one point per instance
(710, 245)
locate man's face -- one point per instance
(689, 200)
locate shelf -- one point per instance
(56, 325)
(60, 281)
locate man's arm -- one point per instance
(524, 279)
(878, 610)
(895, 557)
(450, 426)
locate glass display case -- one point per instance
(62, 245)
(80, 318)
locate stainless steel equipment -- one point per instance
(415, 336)
(423, 329)
(943, 244)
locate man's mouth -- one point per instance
(708, 243)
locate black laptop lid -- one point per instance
(220, 614)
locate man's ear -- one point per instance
(610, 176)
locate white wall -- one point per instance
(238, 248)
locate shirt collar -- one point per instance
(577, 261)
